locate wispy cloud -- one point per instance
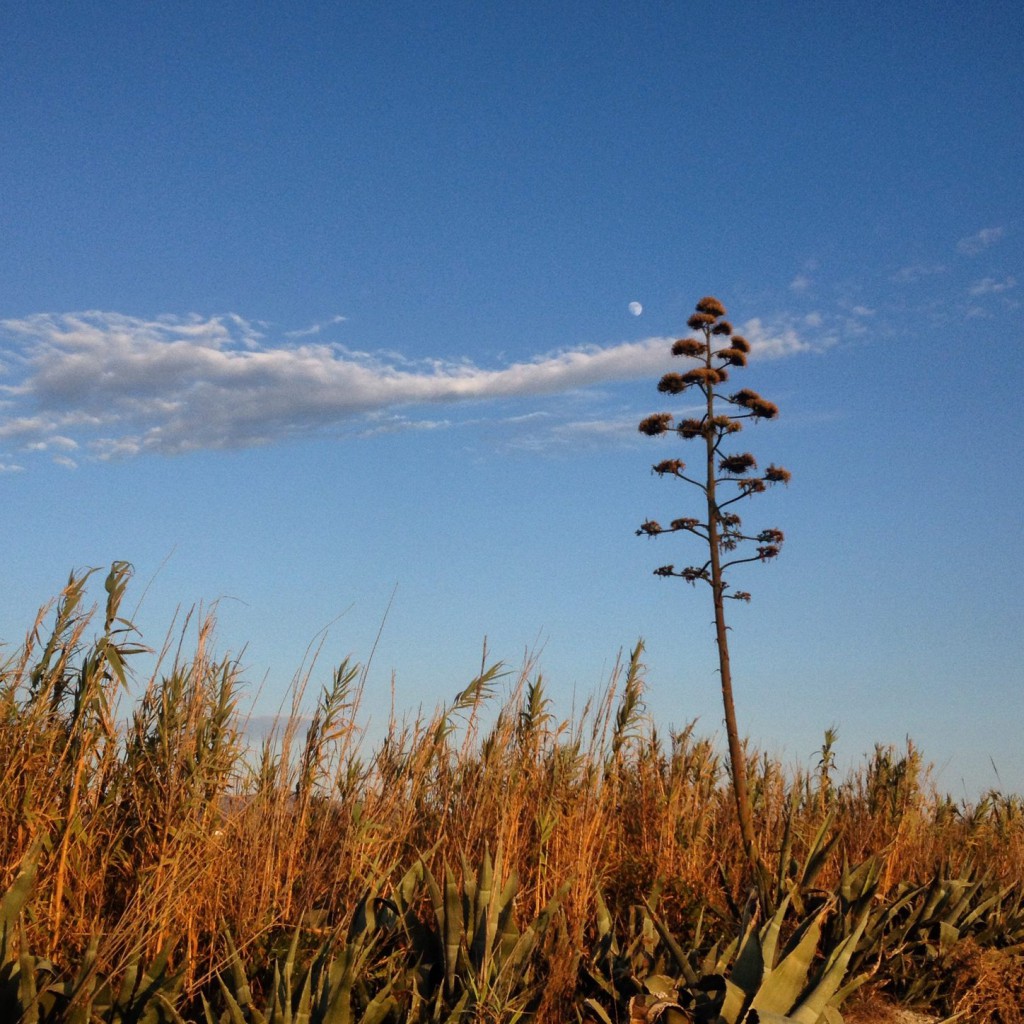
(917, 271)
(312, 329)
(991, 286)
(978, 242)
(119, 386)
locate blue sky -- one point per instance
(306, 305)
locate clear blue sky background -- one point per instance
(301, 302)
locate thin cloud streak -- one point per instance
(992, 286)
(118, 386)
(980, 241)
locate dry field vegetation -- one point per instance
(490, 862)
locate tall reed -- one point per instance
(164, 825)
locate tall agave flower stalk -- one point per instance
(725, 478)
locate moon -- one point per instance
(635, 308)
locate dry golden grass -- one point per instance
(168, 825)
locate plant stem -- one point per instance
(737, 759)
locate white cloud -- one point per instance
(976, 243)
(120, 386)
(862, 311)
(990, 286)
(800, 283)
(10, 467)
(774, 342)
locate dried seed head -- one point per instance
(657, 424)
(673, 384)
(755, 485)
(740, 595)
(727, 425)
(777, 475)
(684, 524)
(691, 428)
(699, 320)
(733, 356)
(688, 347)
(722, 327)
(709, 304)
(771, 536)
(745, 397)
(709, 375)
(767, 551)
(730, 520)
(763, 409)
(651, 528)
(665, 570)
(738, 341)
(669, 466)
(738, 463)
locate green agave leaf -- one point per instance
(165, 1010)
(28, 994)
(17, 895)
(457, 1016)
(734, 1004)
(812, 1006)
(235, 1015)
(379, 1009)
(452, 928)
(604, 917)
(949, 936)
(243, 993)
(782, 986)
(819, 852)
(208, 1017)
(770, 933)
(675, 950)
(749, 968)
(596, 1011)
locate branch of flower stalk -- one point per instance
(746, 492)
(652, 528)
(750, 558)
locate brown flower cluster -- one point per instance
(708, 375)
(688, 347)
(699, 320)
(684, 524)
(759, 407)
(737, 463)
(732, 356)
(657, 424)
(710, 305)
